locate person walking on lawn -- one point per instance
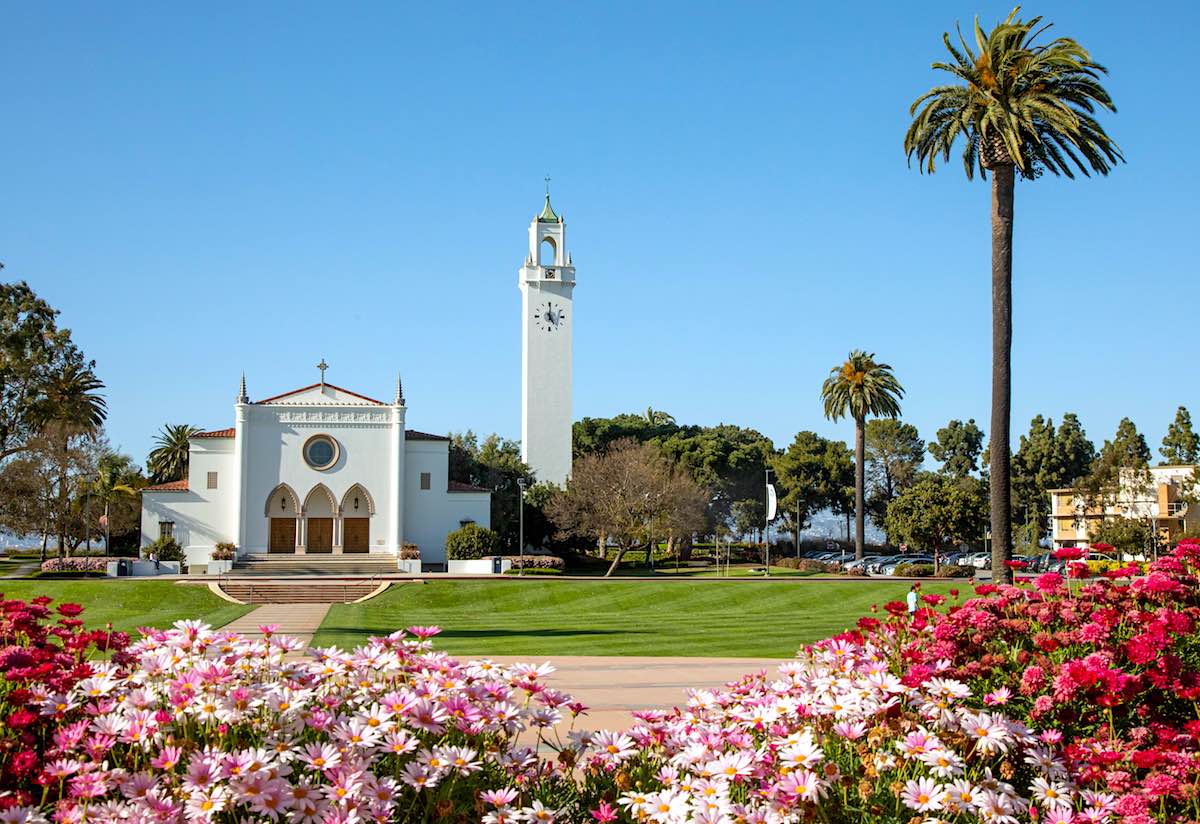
(912, 597)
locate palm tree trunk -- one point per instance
(860, 449)
(1003, 184)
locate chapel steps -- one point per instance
(314, 564)
(308, 592)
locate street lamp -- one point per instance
(767, 524)
(521, 525)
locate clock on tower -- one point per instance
(547, 281)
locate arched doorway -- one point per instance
(357, 509)
(283, 513)
(319, 511)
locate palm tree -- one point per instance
(858, 388)
(168, 461)
(1019, 106)
(71, 406)
(111, 484)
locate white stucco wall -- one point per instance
(203, 517)
(275, 439)
(432, 514)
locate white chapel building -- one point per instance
(317, 470)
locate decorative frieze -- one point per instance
(332, 416)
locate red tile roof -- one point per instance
(415, 435)
(217, 433)
(314, 386)
(169, 486)
(456, 486)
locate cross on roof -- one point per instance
(322, 366)
(547, 185)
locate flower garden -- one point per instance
(1058, 701)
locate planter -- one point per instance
(219, 567)
(482, 566)
(409, 566)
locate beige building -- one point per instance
(1159, 495)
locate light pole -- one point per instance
(521, 527)
(767, 524)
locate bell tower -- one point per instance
(547, 281)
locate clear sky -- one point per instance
(256, 187)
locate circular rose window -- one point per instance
(320, 451)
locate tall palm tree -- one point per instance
(1019, 106)
(70, 407)
(168, 461)
(858, 388)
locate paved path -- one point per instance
(614, 686)
(300, 621)
(21, 570)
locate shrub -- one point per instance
(536, 562)
(914, 570)
(956, 572)
(807, 565)
(410, 552)
(471, 543)
(167, 549)
(223, 551)
(80, 565)
(533, 571)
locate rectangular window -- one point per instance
(212, 480)
(166, 529)
(425, 480)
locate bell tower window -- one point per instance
(546, 253)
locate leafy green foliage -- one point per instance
(168, 461)
(1047, 459)
(1015, 102)
(958, 447)
(812, 474)
(938, 513)
(1181, 445)
(496, 464)
(1127, 535)
(894, 453)
(471, 542)
(860, 388)
(167, 549)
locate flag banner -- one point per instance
(771, 502)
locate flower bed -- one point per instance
(88, 564)
(1050, 703)
(535, 562)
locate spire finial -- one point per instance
(322, 366)
(243, 397)
(399, 391)
(547, 215)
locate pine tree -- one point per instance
(1181, 446)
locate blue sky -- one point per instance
(213, 189)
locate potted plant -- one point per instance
(222, 558)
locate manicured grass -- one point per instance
(131, 604)
(664, 618)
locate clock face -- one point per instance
(549, 316)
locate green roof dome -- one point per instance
(547, 215)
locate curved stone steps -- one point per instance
(307, 592)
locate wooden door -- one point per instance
(283, 535)
(320, 535)
(356, 534)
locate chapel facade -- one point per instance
(318, 470)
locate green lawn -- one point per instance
(693, 618)
(131, 604)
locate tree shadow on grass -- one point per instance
(488, 633)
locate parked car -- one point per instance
(889, 568)
(856, 563)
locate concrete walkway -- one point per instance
(21, 570)
(614, 686)
(301, 621)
